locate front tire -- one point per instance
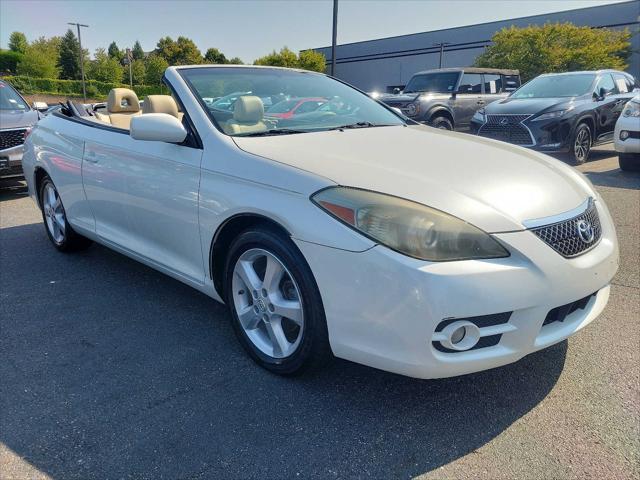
(629, 162)
(443, 123)
(54, 216)
(580, 144)
(274, 302)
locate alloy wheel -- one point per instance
(268, 303)
(582, 145)
(54, 213)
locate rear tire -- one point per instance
(61, 234)
(279, 322)
(629, 162)
(443, 123)
(580, 145)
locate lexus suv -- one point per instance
(447, 98)
(560, 112)
(16, 120)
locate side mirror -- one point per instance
(40, 106)
(600, 94)
(397, 90)
(157, 127)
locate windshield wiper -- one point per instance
(360, 125)
(273, 131)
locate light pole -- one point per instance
(441, 45)
(335, 36)
(84, 90)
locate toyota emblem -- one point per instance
(585, 231)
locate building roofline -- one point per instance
(476, 24)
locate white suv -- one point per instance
(627, 136)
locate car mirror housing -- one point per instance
(40, 106)
(158, 127)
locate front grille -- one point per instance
(11, 138)
(574, 236)
(507, 128)
(396, 104)
(559, 314)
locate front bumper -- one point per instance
(11, 161)
(548, 136)
(632, 143)
(383, 308)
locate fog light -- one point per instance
(624, 134)
(461, 335)
(458, 335)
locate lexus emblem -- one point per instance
(504, 121)
(585, 231)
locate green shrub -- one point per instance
(9, 60)
(95, 89)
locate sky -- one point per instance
(251, 28)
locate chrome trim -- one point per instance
(560, 217)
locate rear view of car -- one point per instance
(16, 120)
(627, 136)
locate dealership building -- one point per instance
(385, 63)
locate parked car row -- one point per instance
(553, 113)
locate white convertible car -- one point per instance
(342, 230)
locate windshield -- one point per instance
(441, 82)
(9, 98)
(552, 86)
(284, 89)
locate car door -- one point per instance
(144, 197)
(468, 99)
(624, 85)
(606, 106)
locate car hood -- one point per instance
(493, 185)
(17, 118)
(524, 105)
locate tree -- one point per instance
(557, 47)
(105, 68)
(41, 58)
(235, 61)
(138, 72)
(115, 52)
(18, 42)
(312, 60)
(137, 52)
(9, 60)
(68, 61)
(215, 56)
(180, 52)
(155, 66)
(309, 60)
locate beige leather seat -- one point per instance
(122, 105)
(248, 115)
(161, 104)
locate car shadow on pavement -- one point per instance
(109, 369)
(11, 188)
(615, 178)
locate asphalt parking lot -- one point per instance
(109, 369)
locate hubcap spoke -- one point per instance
(279, 342)
(249, 277)
(248, 318)
(290, 309)
(272, 275)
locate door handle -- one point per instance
(91, 157)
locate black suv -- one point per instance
(447, 98)
(560, 112)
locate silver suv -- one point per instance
(447, 98)
(16, 120)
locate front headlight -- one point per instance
(550, 115)
(412, 109)
(632, 109)
(479, 115)
(408, 227)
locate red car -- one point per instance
(295, 106)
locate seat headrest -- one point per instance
(248, 109)
(160, 104)
(122, 100)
